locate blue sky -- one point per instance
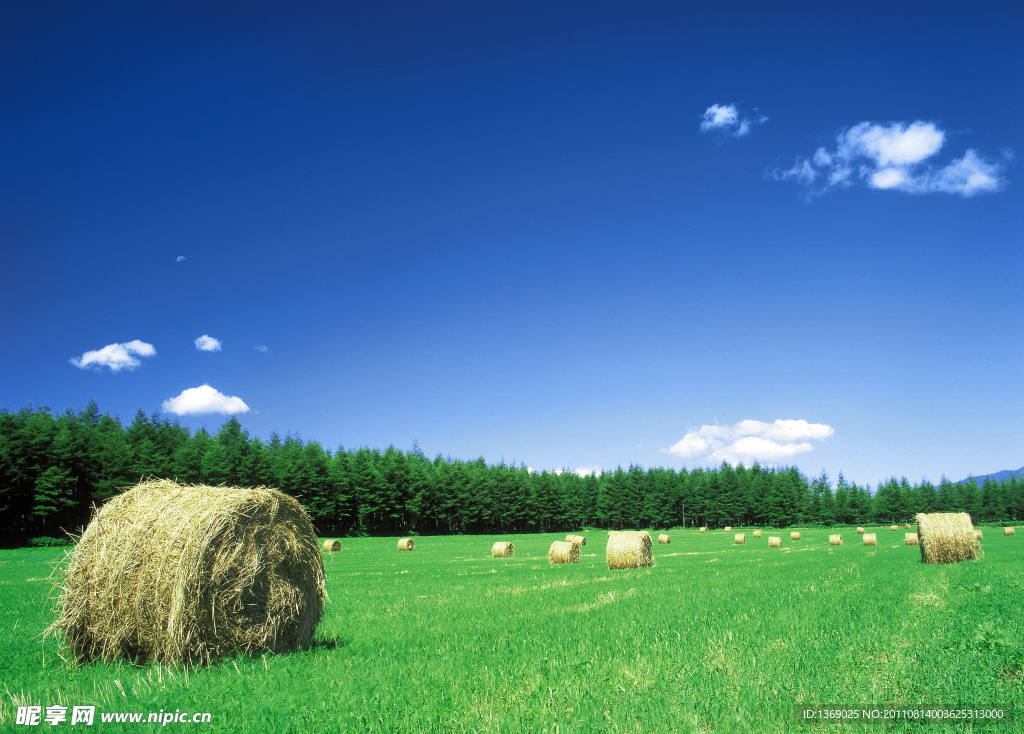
(562, 234)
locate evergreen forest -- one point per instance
(55, 467)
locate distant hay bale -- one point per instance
(406, 544)
(664, 539)
(894, 527)
(728, 528)
(907, 526)
(185, 575)
(794, 536)
(835, 540)
(774, 541)
(704, 529)
(946, 537)
(740, 539)
(330, 546)
(860, 531)
(576, 539)
(1008, 531)
(630, 550)
(564, 552)
(502, 549)
(978, 534)
(757, 533)
(870, 538)
(910, 538)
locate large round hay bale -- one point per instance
(740, 538)
(794, 536)
(894, 527)
(576, 539)
(563, 552)
(406, 544)
(1008, 531)
(910, 538)
(757, 533)
(860, 531)
(907, 526)
(330, 546)
(870, 538)
(502, 549)
(835, 540)
(630, 550)
(664, 539)
(774, 541)
(187, 574)
(978, 534)
(728, 528)
(704, 529)
(946, 537)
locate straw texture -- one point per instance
(664, 539)
(187, 574)
(406, 544)
(910, 538)
(502, 549)
(757, 533)
(946, 537)
(774, 541)
(1008, 531)
(835, 540)
(870, 538)
(576, 539)
(563, 552)
(630, 550)
(330, 546)
(794, 536)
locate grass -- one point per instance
(715, 637)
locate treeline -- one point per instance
(53, 468)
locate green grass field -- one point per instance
(715, 637)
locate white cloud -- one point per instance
(181, 258)
(728, 120)
(894, 157)
(204, 399)
(261, 348)
(586, 471)
(115, 356)
(750, 440)
(207, 344)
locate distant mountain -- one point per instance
(998, 476)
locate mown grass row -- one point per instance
(715, 637)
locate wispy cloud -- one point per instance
(207, 344)
(204, 399)
(115, 356)
(750, 440)
(181, 258)
(261, 348)
(895, 156)
(727, 119)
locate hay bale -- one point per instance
(894, 527)
(774, 541)
(406, 544)
(835, 540)
(728, 528)
(978, 534)
(910, 538)
(502, 550)
(946, 537)
(860, 531)
(870, 539)
(188, 574)
(794, 536)
(664, 539)
(564, 552)
(907, 526)
(704, 529)
(630, 550)
(740, 539)
(330, 546)
(1008, 531)
(757, 533)
(576, 539)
